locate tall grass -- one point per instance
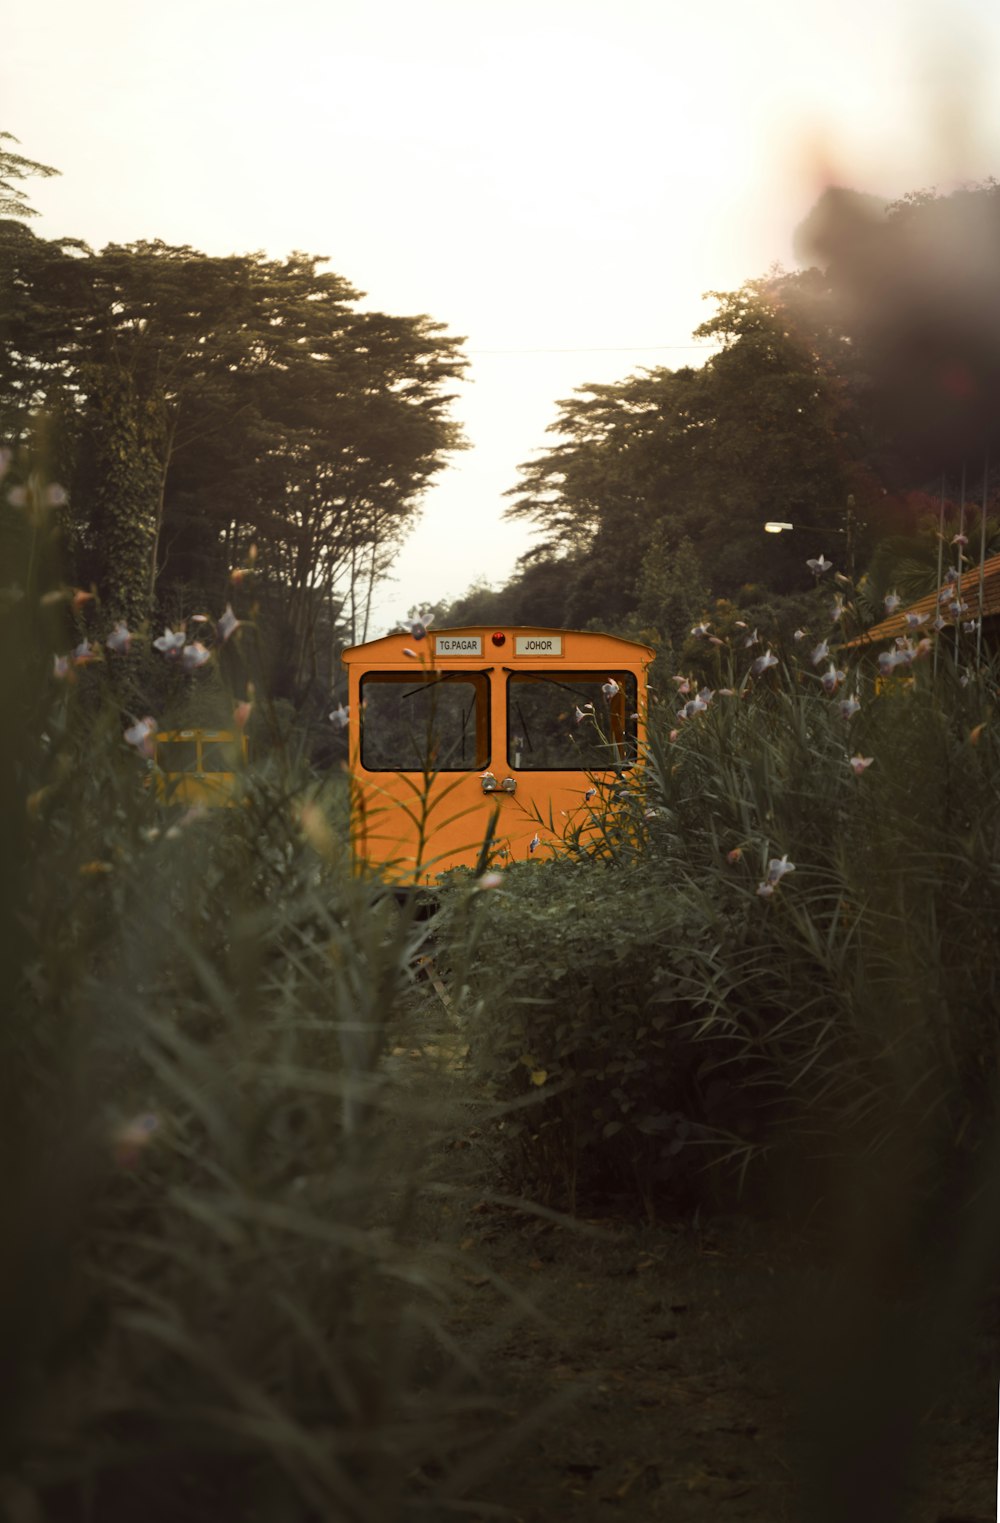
(219, 1291)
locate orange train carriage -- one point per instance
(449, 729)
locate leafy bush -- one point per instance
(674, 996)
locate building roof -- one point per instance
(988, 607)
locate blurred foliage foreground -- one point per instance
(769, 966)
(217, 1297)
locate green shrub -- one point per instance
(667, 1013)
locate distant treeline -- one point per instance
(843, 399)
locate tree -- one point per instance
(13, 166)
(208, 404)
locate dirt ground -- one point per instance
(680, 1371)
(668, 1356)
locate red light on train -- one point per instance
(499, 638)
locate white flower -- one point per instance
(169, 642)
(849, 707)
(489, 880)
(818, 565)
(61, 667)
(763, 662)
(799, 634)
(534, 843)
(700, 629)
(960, 539)
(610, 688)
(119, 639)
(765, 890)
(417, 628)
(590, 793)
(914, 620)
(859, 764)
(892, 602)
(832, 678)
(820, 653)
(193, 656)
(778, 867)
(227, 624)
(751, 640)
(340, 716)
(142, 735)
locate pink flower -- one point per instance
(734, 856)
(241, 714)
(489, 880)
(960, 539)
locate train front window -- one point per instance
(177, 755)
(437, 723)
(576, 722)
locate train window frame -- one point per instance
(625, 737)
(477, 678)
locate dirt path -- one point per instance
(670, 1360)
(671, 1348)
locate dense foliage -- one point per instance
(848, 399)
(675, 997)
(193, 406)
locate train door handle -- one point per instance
(508, 785)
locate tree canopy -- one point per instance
(200, 405)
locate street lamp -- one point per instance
(771, 527)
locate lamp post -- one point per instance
(779, 526)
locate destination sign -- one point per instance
(458, 645)
(538, 645)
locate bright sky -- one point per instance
(558, 181)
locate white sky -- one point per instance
(558, 181)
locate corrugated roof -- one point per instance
(895, 624)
